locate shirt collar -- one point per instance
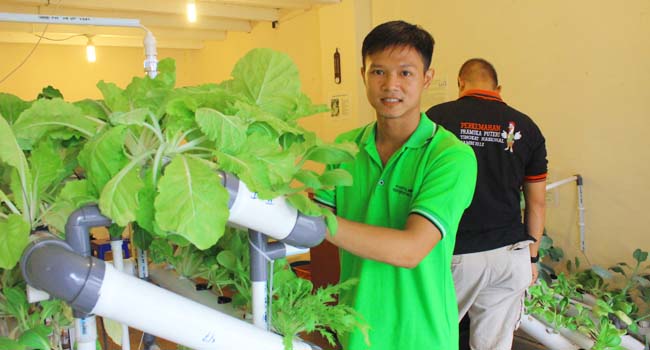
(422, 134)
(483, 94)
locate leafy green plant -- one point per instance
(298, 309)
(156, 160)
(37, 156)
(548, 253)
(35, 323)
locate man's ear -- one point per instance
(461, 86)
(363, 74)
(498, 89)
(428, 77)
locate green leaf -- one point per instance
(180, 115)
(47, 165)
(332, 222)
(13, 156)
(227, 132)
(263, 166)
(17, 305)
(119, 198)
(601, 272)
(192, 202)
(55, 119)
(10, 344)
(114, 97)
(10, 153)
(36, 338)
(640, 255)
(115, 231)
(93, 108)
(145, 214)
(73, 196)
(14, 237)
(333, 153)
(141, 237)
(11, 106)
(133, 117)
(49, 92)
(618, 269)
(103, 156)
(268, 79)
(336, 177)
(308, 178)
(113, 330)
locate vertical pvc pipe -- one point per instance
(118, 262)
(259, 278)
(86, 333)
(581, 214)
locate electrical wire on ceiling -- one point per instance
(63, 39)
(40, 37)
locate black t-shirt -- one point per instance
(510, 150)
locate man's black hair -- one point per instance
(478, 69)
(398, 34)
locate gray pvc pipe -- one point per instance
(308, 232)
(77, 228)
(50, 264)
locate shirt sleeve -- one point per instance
(537, 167)
(447, 189)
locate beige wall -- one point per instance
(581, 69)
(65, 67)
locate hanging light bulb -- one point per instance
(91, 55)
(191, 11)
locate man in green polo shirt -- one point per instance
(397, 223)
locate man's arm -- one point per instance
(403, 248)
(535, 214)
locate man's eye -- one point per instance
(378, 72)
(407, 73)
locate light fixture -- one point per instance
(91, 55)
(191, 11)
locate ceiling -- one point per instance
(166, 19)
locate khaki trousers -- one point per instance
(490, 287)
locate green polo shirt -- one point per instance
(432, 175)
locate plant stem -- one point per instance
(10, 205)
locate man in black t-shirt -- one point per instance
(494, 260)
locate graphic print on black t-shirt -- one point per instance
(478, 134)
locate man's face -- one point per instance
(394, 79)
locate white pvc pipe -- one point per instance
(118, 262)
(72, 20)
(169, 279)
(561, 182)
(544, 334)
(85, 333)
(581, 221)
(142, 264)
(259, 304)
(274, 217)
(156, 311)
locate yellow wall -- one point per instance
(65, 67)
(581, 69)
